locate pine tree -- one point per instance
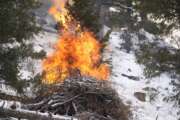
(164, 10)
(86, 11)
(17, 25)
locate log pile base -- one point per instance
(84, 99)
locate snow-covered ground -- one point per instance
(155, 90)
(31, 67)
(174, 38)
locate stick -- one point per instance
(67, 101)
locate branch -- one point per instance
(4, 96)
(67, 101)
(125, 7)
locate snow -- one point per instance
(7, 89)
(122, 63)
(45, 41)
(105, 30)
(113, 9)
(31, 67)
(125, 63)
(173, 39)
(8, 104)
(47, 114)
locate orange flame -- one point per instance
(75, 50)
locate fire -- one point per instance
(75, 51)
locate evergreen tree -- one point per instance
(17, 24)
(168, 11)
(86, 11)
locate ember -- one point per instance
(76, 50)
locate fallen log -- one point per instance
(131, 77)
(24, 114)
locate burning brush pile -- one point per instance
(82, 98)
(74, 77)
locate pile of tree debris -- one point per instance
(84, 99)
